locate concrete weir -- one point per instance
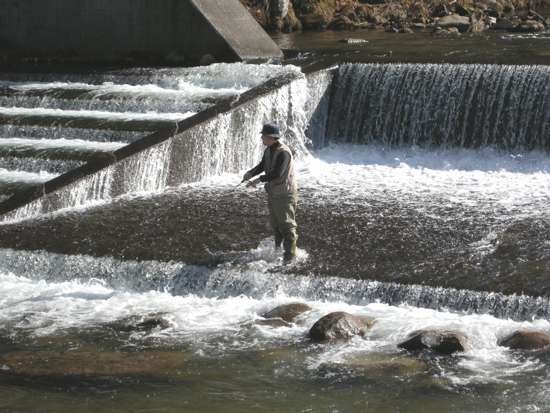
(178, 31)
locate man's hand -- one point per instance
(252, 184)
(247, 176)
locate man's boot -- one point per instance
(290, 250)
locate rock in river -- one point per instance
(339, 326)
(526, 340)
(287, 312)
(442, 342)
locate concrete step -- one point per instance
(59, 149)
(89, 119)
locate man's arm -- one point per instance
(280, 166)
(258, 169)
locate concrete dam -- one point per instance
(132, 31)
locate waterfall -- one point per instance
(445, 105)
(90, 117)
(231, 141)
(254, 281)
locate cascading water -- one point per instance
(412, 218)
(466, 106)
(77, 118)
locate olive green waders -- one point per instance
(282, 216)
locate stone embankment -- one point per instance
(402, 16)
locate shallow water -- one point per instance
(310, 48)
(211, 356)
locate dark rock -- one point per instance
(526, 340)
(287, 312)
(442, 342)
(313, 22)
(339, 326)
(459, 9)
(440, 11)
(504, 24)
(140, 324)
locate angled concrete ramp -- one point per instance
(238, 28)
(155, 31)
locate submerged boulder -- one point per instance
(273, 322)
(381, 363)
(92, 362)
(287, 312)
(140, 323)
(439, 341)
(526, 340)
(339, 326)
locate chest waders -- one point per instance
(282, 198)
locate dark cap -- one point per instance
(270, 129)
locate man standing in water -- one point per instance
(282, 192)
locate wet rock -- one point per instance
(287, 312)
(462, 23)
(140, 324)
(526, 340)
(92, 363)
(339, 326)
(382, 363)
(442, 342)
(504, 24)
(529, 26)
(273, 322)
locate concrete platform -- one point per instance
(155, 31)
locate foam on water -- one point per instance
(93, 114)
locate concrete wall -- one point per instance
(119, 30)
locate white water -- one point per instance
(94, 114)
(21, 176)
(216, 79)
(496, 181)
(215, 325)
(70, 144)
